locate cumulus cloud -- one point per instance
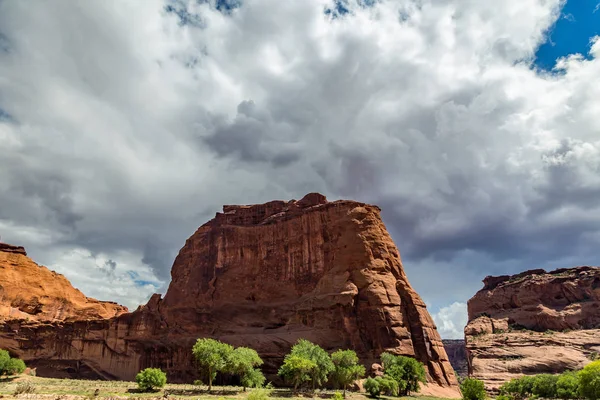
(124, 126)
(451, 320)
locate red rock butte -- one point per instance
(533, 322)
(261, 276)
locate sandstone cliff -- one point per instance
(533, 322)
(260, 276)
(32, 292)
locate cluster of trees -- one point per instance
(307, 364)
(213, 357)
(583, 384)
(401, 376)
(9, 365)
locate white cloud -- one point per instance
(451, 320)
(122, 130)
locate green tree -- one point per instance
(347, 369)
(407, 371)
(10, 366)
(15, 366)
(4, 360)
(472, 389)
(544, 386)
(242, 362)
(151, 379)
(567, 385)
(319, 357)
(253, 378)
(212, 356)
(589, 381)
(296, 369)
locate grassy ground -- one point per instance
(70, 389)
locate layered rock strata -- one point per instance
(34, 293)
(533, 322)
(261, 276)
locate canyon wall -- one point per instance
(457, 355)
(261, 276)
(533, 322)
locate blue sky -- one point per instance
(578, 23)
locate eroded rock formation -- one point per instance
(533, 322)
(261, 276)
(32, 292)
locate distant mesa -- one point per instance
(260, 275)
(533, 322)
(34, 293)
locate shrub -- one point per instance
(544, 385)
(407, 371)
(15, 366)
(504, 397)
(589, 381)
(388, 385)
(372, 387)
(518, 388)
(567, 385)
(151, 379)
(10, 366)
(472, 389)
(259, 394)
(24, 387)
(337, 396)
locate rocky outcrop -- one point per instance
(457, 354)
(533, 322)
(34, 293)
(262, 276)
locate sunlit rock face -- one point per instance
(261, 276)
(533, 322)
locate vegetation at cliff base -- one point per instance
(570, 385)
(9, 365)
(151, 379)
(472, 389)
(346, 368)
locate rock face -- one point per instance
(262, 276)
(32, 292)
(457, 354)
(533, 322)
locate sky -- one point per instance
(125, 125)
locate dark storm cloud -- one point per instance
(134, 132)
(254, 137)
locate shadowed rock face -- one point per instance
(533, 322)
(457, 354)
(263, 276)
